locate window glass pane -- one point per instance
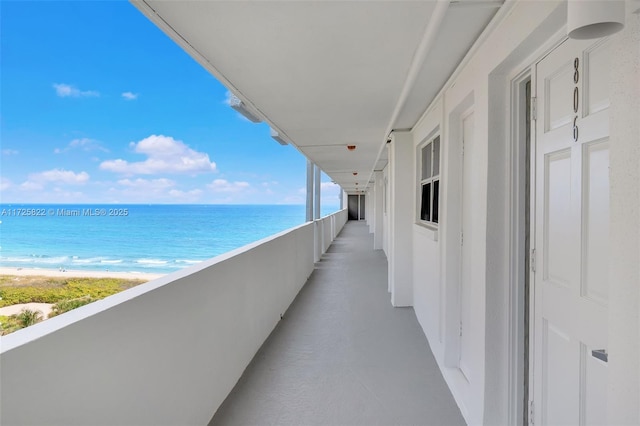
(426, 162)
(436, 200)
(436, 156)
(425, 207)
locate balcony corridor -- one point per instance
(342, 355)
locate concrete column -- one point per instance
(367, 197)
(378, 210)
(316, 203)
(309, 190)
(341, 199)
(623, 405)
(370, 213)
(401, 181)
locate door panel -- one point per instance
(595, 219)
(559, 359)
(352, 206)
(558, 228)
(594, 374)
(571, 234)
(558, 101)
(596, 70)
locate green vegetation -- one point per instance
(14, 290)
(9, 324)
(67, 305)
(28, 317)
(65, 293)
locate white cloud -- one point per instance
(37, 181)
(130, 96)
(8, 152)
(69, 91)
(148, 184)
(329, 186)
(54, 177)
(61, 194)
(329, 189)
(31, 186)
(151, 190)
(5, 184)
(330, 193)
(192, 195)
(164, 155)
(59, 176)
(85, 144)
(223, 185)
(136, 190)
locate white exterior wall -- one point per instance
(518, 39)
(401, 207)
(378, 227)
(386, 221)
(624, 226)
(345, 199)
(427, 292)
(369, 213)
(167, 352)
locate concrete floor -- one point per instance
(343, 355)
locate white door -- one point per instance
(571, 235)
(469, 193)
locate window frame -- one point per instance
(432, 181)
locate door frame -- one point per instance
(520, 377)
(520, 301)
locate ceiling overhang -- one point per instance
(327, 74)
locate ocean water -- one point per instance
(134, 238)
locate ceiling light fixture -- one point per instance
(594, 18)
(276, 136)
(242, 108)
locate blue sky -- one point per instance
(99, 106)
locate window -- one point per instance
(430, 181)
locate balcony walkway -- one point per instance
(343, 355)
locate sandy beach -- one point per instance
(44, 308)
(77, 273)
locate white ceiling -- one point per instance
(327, 74)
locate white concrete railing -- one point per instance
(167, 352)
(325, 231)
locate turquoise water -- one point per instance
(134, 238)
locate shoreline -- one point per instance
(75, 273)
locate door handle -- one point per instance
(601, 354)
